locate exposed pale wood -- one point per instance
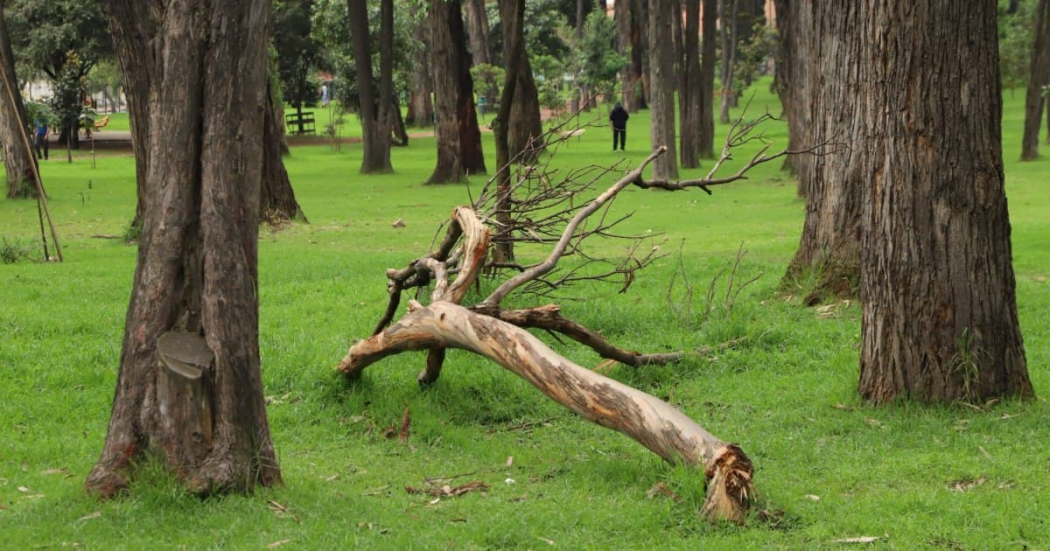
(653, 423)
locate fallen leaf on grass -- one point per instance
(874, 422)
(862, 539)
(378, 491)
(510, 461)
(1006, 484)
(281, 511)
(23, 489)
(660, 488)
(457, 519)
(56, 471)
(604, 366)
(277, 543)
(965, 484)
(449, 491)
(96, 514)
(406, 419)
(985, 452)
(812, 497)
(547, 541)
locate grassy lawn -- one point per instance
(828, 466)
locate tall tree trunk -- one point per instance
(189, 391)
(481, 52)
(526, 127)
(276, 198)
(18, 157)
(512, 14)
(661, 81)
(939, 317)
(639, 54)
(729, 32)
(421, 81)
(705, 137)
(690, 90)
(830, 243)
(458, 135)
(622, 15)
(375, 127)
(1039, 76)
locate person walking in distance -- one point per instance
(618, 116)
(40, 132)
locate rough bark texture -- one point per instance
(480, 51)
(375, 125)
(421, 85)
(794, 24)
(526, 126)
(939, 312)
(705, 136)
(631, 24)
(690, 89)
(662, 84)
(196, 278)
(132, 25)
(276, 198)
(830, 243)
(512, 14)
(18, 157)
(1039, 76)
(727, 15)
(458, 136)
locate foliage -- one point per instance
(548, 72)
(753, 56)
(298, 51)
(543, 30)
(39, 110)
(105, 78)
(67, 91)
(1015, 41)
(483, 71)
(15, 250)
(597, 60)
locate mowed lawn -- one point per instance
(829, 467)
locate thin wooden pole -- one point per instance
(41, 196)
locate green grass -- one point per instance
(787, 395)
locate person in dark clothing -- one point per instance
(40, 132)
(618, 116)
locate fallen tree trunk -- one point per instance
(655, 424)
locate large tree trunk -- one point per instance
(375, 128)
(705, 136)
(18, 157)
(1039, 76)
(421, 85)
(937, 283)
(512, 14)
(632, 23)
(830, 243)
(661, 81)
(276, 198)
(526, 126)
(189, 391)
(481, 52)
(690, 89)
(458, 136)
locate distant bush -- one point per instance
(15, 250)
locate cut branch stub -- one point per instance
(183, 394)
(655, 424)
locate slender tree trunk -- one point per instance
(690, 91)
(458, 135)
(526, 126)
(706, 124)
(727, 15)
(1039, 76)
(661, 81)
(639, 54)
(939, 317)
(481, 52)
(189, 391)
(796, 81)
(421, 80)
(276, 198)
(374, 112)
(622, 15)
(830, 243)
(18, 157)
(512, 13)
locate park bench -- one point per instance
(300, 123)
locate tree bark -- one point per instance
(458, 136)
(1039, 76)
(526, 127)
(375, 127)
(276, 198)
(189, 390)
(132, 24)
(481, 52)
(631, 24)
(421, 84)
(830, 243)
(18, 157)
(937, 283)
(690, 89)
(661, 82)
(705, 139)
(727, 15)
